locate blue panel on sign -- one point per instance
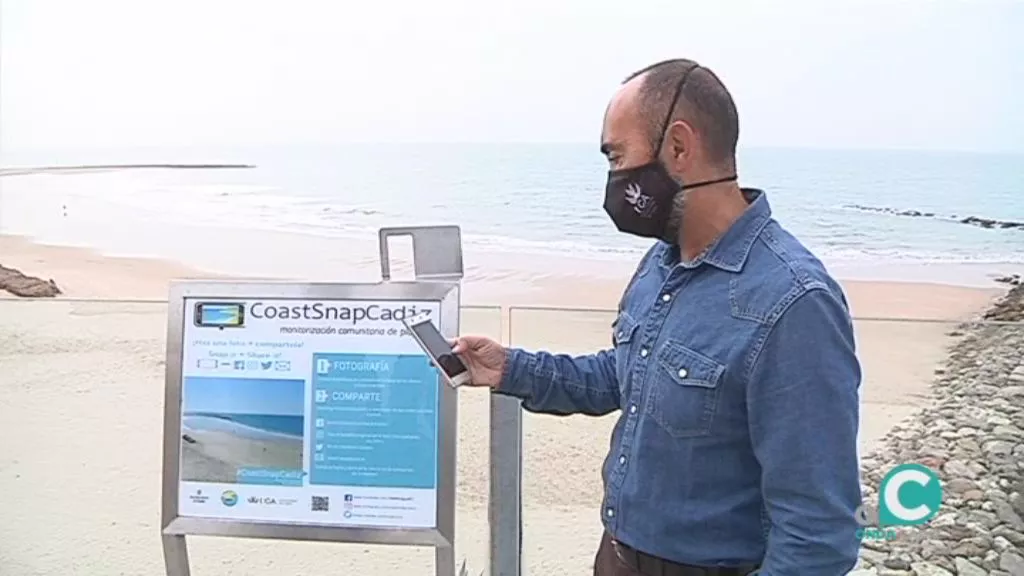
(374, 421)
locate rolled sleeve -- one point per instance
(803, 410)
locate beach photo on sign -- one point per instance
(242, 430)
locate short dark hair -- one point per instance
(703, 102)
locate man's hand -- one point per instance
(484, 358)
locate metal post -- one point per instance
(444, 560)
(437, 256)
(176, 555)
(505, 506)
(505, 503)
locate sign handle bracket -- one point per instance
(436, 252)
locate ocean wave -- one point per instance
(196, 424)
(504, 227)
(271, 210)
(865, 255)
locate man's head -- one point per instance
(694, 139)
(671, 127)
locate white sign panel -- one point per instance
(308, 411)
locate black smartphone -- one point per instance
(438, 349)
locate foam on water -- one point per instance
(551, 203)
(213, 424)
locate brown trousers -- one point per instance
(608, 563)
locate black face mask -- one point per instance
(639, 199)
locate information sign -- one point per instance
(313, 411)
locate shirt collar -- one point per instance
(729, 252)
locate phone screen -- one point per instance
(439, 348)
(217, 315)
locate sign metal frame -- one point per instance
(175, 526)
(438, 269)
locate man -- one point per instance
(733, 359)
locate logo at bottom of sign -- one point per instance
(229, 498)
(909, 495)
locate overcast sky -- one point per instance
(835, 74)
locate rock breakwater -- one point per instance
(969, 220)
(19, 284)
(973, 436)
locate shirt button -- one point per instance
(632, 409)
(683, 372)
(609, 513)
(666, 297)
(622, 459)
(619, 334)
(643, 352)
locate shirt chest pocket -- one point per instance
(623, 331)
(684, 390)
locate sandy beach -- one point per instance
(87, 396)
(224, 439)
(217, 456)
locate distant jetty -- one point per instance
(99, 167)
(970, 220)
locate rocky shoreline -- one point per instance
(972, 434)
(20, 284)
(970, 220)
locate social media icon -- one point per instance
(266, 365)
(321, 396)
(318, 457)
(283, 365)
(319, 434)
(319, 447)
(319, 422)
(252, 365)
(239, 364)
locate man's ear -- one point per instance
(682, 142)
(682, 138)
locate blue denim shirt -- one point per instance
(738, 384)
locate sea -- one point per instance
(547, 198)
(250, 425)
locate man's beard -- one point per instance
(675, 218)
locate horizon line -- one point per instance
(741, 148)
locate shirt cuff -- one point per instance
(517, 365)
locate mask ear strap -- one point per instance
(672, 107)
(708, 182)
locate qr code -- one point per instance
(320, 504)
